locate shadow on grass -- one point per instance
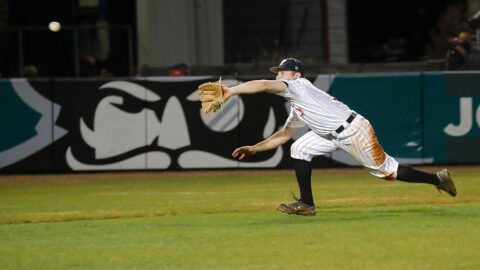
(357, 215)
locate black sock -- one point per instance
(303, 170)
(409, 174)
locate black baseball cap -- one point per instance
(289, 64)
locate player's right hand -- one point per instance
(243, 152)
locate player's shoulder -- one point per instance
(301, 79)
(296, 80)
(298, 83)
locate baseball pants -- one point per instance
(358, 139)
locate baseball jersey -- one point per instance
(313, 107)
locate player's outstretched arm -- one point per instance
(257, 86)
(278, 138)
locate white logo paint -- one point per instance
(466, 119)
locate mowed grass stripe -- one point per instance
(146, 197)
(393, 237)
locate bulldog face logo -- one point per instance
(140, 123)
(156, 125)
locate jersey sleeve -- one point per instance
(293, 121)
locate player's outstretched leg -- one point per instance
(305, 205)
(303, 171)
(441, 180)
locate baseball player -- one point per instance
(334, 126)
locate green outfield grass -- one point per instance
(215, 222)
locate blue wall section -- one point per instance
(452, 117)
(436, 111)
(392, 103)
(17, 119)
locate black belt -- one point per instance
(349, 120)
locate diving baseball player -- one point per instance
(334, 126)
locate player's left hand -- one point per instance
(213, 96)
(243, 152)
(226, 92)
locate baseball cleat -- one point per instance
(446, 184)
(297, 208)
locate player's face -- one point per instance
(287, 75)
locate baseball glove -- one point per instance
(211, 96)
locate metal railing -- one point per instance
(20, 35)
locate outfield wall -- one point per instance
(155, 123)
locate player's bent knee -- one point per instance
(387, 170)
(389, 176)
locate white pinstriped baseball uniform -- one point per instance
(323, 114)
